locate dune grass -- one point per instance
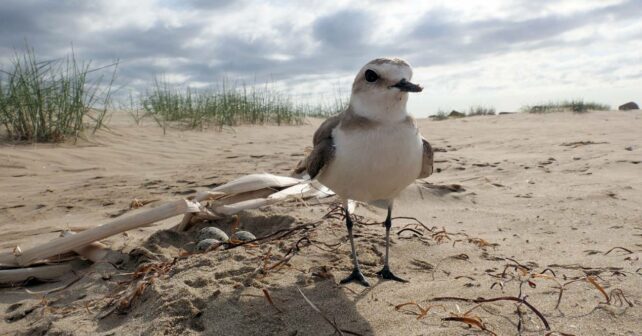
(577, 106)
(472, 111)
(480, 111)
(226, 105)
(50, 101)
(440, 115)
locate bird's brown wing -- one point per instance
(427, 161)
(323, 150)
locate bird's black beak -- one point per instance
(407, 86)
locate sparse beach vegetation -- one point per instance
(53, 100)
(575, 105)
(480, 111)
(226, 105)
(477, 110)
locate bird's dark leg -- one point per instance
(385, 272)
(356, 274)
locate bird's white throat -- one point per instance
(386, 108)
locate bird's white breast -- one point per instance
(375, 163)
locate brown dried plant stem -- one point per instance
(503, 298)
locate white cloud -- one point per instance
(504, 53)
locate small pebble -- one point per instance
(206, 244)
(629, 148)
(244, 236)
(211, 232)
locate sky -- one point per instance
(496, 53)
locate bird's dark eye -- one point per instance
(371, 76)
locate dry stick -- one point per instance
(57, 289)
(202, 196)
(418, 222)
(283, 233)
(288, 255)
(43, 273)
(593, 282)
(619, 247)
(316, 309)
(94, 252)
(83, 238)
(268, 297)
(503, 298)
(470, 321)
(411, 230)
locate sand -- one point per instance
(553, 193)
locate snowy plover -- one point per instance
(373, 150)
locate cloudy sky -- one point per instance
(503, 53)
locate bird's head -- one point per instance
(380, 89)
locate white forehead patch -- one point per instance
(390, 71)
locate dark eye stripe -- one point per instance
(371, 76)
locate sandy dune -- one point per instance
(553, 193)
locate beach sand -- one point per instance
(512, 196)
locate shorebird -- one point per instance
(373, 150)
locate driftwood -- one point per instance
(48, 272)
(86, 237)
(93, 252)
(255, 182)
(247, 192)
(251, 192)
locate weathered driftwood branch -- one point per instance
(48, 272)
(255, 182)
(244, 193)
(254, 191)
(93, 252)
(86, 237)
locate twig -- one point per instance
(316, 309)
(411, 230)
(618, 247)
(503, 298)
(416, 220)
(269, 299)
(593, 282)
(470, 321)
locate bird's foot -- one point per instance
(357, 276)
(385, 273)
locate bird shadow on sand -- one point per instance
(244, 311)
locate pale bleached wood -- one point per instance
(48, 272)
(94, 252)
(209, 195)
(235, 208)
(256, 182)
(248, 195)
(186, 223)
(303, 190)
(64, 244)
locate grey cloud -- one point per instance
(47, 25)
(345, 40)
(210, 4)
(134, 42)
(344, 30)
(450, 41)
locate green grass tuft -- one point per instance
(440, 115)
(577, 106)
(50, 101)
(472, 111)
(227, 105)
(480, 111)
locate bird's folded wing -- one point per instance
(427, 160)
(323, 150)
